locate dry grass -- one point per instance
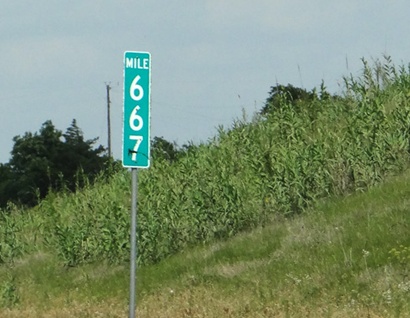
(207, 302)
(60, 309)
(198, 302)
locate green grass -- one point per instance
(267, 219)
(279, 163)
(335, 260)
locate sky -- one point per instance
(211, 60)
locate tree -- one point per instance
(78, 153)
(281, 94)
(32, 162)
(7, 190)
(49, 160)
(298, 98)
(163, 149)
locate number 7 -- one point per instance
(138, 140)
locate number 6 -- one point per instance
(135, 117)
(136, 87)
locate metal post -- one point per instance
(134, 176)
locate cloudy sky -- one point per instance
(210, 59)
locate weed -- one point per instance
(9, 296)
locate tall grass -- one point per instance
(346, 257)
(247, 175)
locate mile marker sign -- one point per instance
(136, 111)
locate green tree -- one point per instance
(7, 189)
(280, 94)
(32, 162)
(163, 149)
(78, 153)
(48, 160)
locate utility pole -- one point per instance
(108, 119)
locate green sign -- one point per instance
(136, 112)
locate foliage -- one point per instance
(10, 244)
(277, 164)
(49, 160)
(91, 224)
(79, 158)
(7, 185)
(161, 149)
(400, 255)
(273, 168)
(332, 261)
(280, 94)
(9, 296)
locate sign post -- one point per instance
(133, 265)
(136, 139)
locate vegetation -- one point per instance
(162, 149)
(49, 160)
(294, 95)
(347, 257)
(267, 173)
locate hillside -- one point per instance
(301, 209)
(347, 257)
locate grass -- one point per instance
(346, 257)
(250, 224)
(280, 162)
